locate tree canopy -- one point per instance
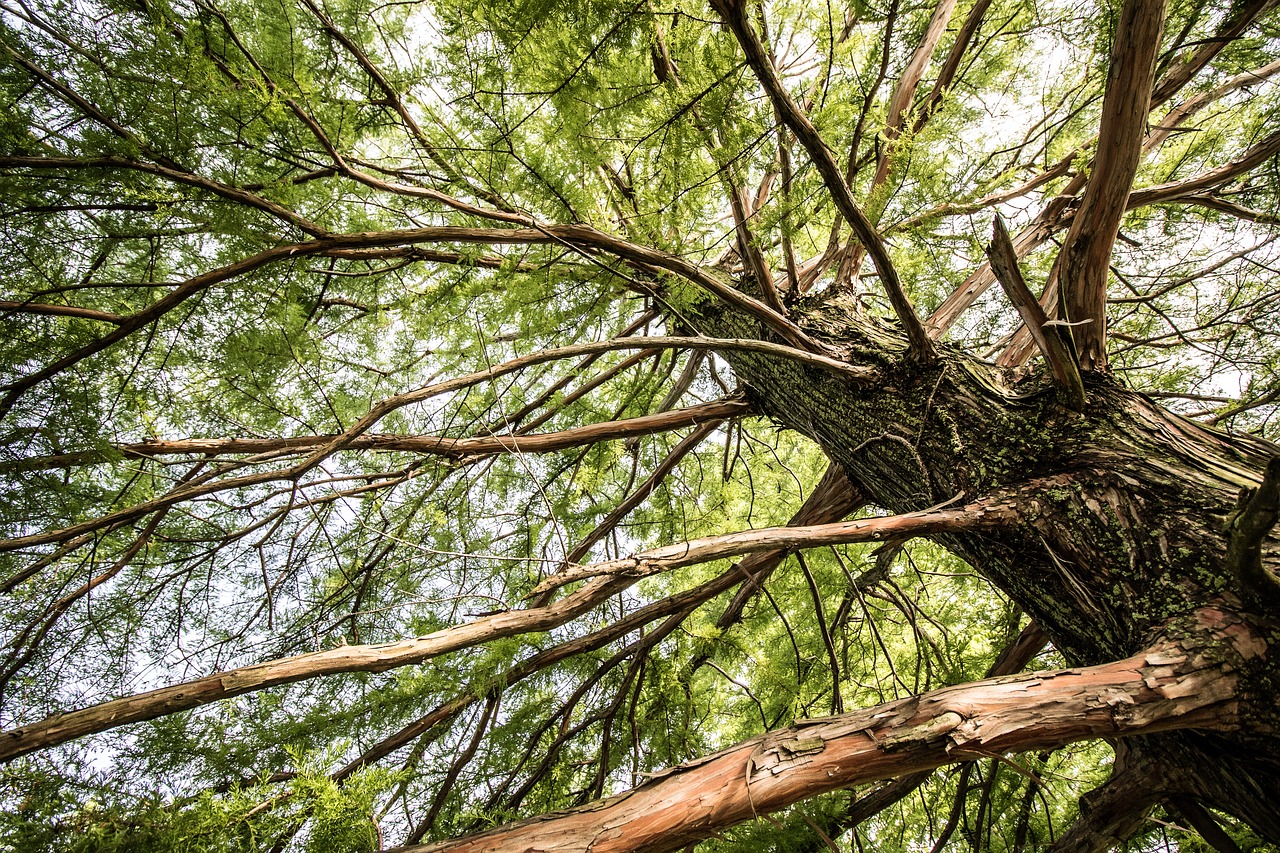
(597, 425)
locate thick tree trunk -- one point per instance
(1118, 550)
(1176, 684)
(1124, 509)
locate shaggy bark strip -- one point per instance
(1164, 688)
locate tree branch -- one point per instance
(1256, 514)
(734, 13)
(980, 515)
(456, 448)
(1040, 710)
(1086, 254)
(1054, 341)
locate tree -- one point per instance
(591, 425)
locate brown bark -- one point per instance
(1054, 342)
(1013, 659)
(1165, 688)
(987, 515)
(908, 82)
(9, 307)
(378, 657)
(1084, 263)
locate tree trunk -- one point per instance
(1124, 509)
(1119, 551)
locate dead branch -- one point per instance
(1054, 341)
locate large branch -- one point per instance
(1084, 263)
(976, 516)
(734, 13)
(1012, 659)
(378, 657)
(1162, 689)
(610, 577)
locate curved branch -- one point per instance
(1040, 710)
(11, 307)
(380, 657)
(580, 237)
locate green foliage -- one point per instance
(333, 817)
(147, 144)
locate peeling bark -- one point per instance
(1166, 687)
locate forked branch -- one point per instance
(734, 13)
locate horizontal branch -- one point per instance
(853, 373)
(1256, 155)
(430, 444)
(928, 523)
(610, 578)
(1161, 689)
(377, 657)
(380, 657)
(11, 307)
